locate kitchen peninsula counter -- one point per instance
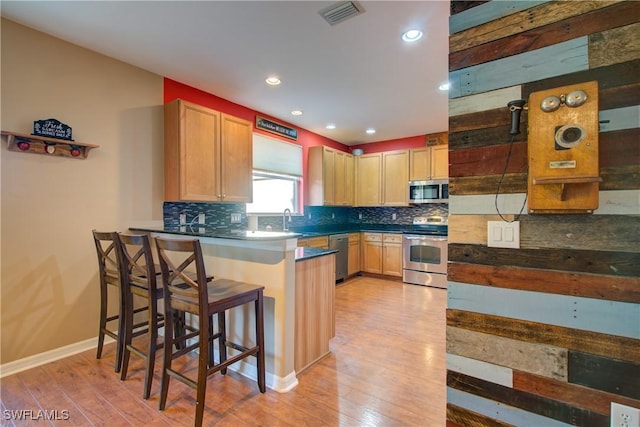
(299, 286)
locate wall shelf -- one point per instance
(25, 143)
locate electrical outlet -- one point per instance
(624, 416)
(333, 216)
(236, 218)
(393, 216)
(359, 216)
(201, 218)
(183, 219)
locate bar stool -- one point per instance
(204, 301)
(139, 275)
(109, 276)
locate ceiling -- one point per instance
(356, 74)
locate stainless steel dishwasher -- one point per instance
(340, 242)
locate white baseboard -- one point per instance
(274, 382)
(29, 362)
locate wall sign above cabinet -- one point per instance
(277, 128)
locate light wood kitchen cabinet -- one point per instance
(330, 177)
(368, 179)
(315, 321)
(431, 162)
(354, 254)
(392, 254)
(208, 155)
(314, 242)
(440, 162)
(345, 174)
(395, 178)
(382, 179)
(372, 252)
(382, 253)
(419, 164)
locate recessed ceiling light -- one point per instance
(412, 35)
(296, 113)
(444, 86)
(330, 126)
(370, 131)
(273, 81)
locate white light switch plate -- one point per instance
(501, 234)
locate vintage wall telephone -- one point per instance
(564, 176)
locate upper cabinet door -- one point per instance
(395, 178)
(191, 134)
(236, 159)
(368, 179)
(440, 162)
(419, 166)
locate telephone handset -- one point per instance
(516, 108)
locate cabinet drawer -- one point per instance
(372, 237)
(318, 242)
(354, 237)
(392, 238)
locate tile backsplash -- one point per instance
(218, 215)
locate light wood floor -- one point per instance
(387, 368)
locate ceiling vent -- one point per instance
(341, 11)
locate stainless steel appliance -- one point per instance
(435, 191)
(341, 243)
(424, 252)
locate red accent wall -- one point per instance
(393, 144)
(174, 90)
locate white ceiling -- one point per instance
(356, 74)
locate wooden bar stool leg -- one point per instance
(151, 351)
(222, 341)
(169, 342)
(203, 363)
(103, 321)
(260, 342)
(126, 337)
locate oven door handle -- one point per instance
(423, 238)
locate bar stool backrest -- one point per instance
(137, 260)
(107, 257)
(178, 260)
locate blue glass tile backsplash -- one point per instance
(218, 215)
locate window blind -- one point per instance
(277, 156)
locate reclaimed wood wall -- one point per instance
(548, 334)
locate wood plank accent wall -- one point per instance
(547, 334)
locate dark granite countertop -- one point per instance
(221, 234)
(304, 253)
(311, 231)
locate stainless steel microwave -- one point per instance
(434, 191)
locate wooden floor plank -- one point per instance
(386, 367)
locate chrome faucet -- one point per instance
(286, 212)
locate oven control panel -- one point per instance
(430, 220)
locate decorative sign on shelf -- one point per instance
(268, 125)
(52, 128)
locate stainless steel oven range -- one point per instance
(424, 252)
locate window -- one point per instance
(277, 171)
(273, 193)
